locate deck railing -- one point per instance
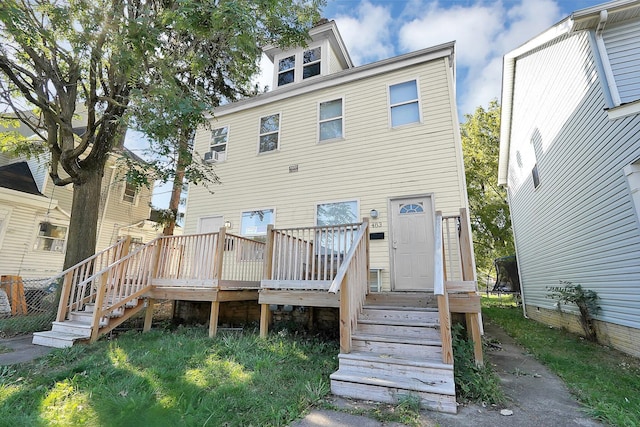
(353, 283)
(307, 254)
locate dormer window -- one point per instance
(300, 66)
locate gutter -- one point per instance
(604, 59)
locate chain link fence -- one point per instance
(27, 305)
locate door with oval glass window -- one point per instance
(412, 241)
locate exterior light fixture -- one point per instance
(227, 224)
(374, 213)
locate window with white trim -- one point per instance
(51, 238)
(130, 193)
(335, 213)
(299, 66)
(254, 223)
(269, 133)
(218, 145)
(404, 104)
(330, 121)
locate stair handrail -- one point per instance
(440, 290)
(352, 281)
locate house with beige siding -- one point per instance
(333, 143)
(570, 159)
(342, 205)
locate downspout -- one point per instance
(604, 59)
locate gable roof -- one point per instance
(17, 176)
(581, 20)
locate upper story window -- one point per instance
(404, 104)
(218, 146)
(286, 70)
(300, 66)
(51, 237)
(311, 63)
(330, 121)
(269, 133)
(130, 193)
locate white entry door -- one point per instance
(210, 224)
(412, 241)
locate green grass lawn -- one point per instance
(605, 380)
(164, 378)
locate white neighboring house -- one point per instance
(333, 143)
(34, 216)
(570, 158)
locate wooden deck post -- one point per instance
(468, 274)
(445, 329)
(219, 258)
(213, 318)
(345, 317)
(97, 314)
(148, 315)
(265, 320)
(64, 296)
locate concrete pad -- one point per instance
(23, 350)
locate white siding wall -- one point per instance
(371, 164)
(623, 47)
(579, 225)
(17, 254)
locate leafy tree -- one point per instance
(101, 57)
(489, 211)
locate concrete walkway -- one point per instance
(22, 350)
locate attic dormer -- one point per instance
(324, 54)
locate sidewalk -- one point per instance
(538, 398)
(23, 350)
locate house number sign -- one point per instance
(376, 224)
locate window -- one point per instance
(403, 102)
(130, 193)
(218, 147)
(535, 176)
(269, 133)
(51, 237)
(301, 66)
(411, 208)
(254, 223)
(334, 214)
(4, 221)
(337, 213)
(330, 120)
(311, 63)
(286, 70)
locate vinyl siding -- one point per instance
(579, 225)
(17, 254)
(370, 164)
(623, 48)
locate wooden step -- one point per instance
(425, 370)
(423, 331)
(402, 299)
(439, 397)
(81, 317)
(412, 315)
(72, 327)
(56, 339)
(400, 322)
(397, 346)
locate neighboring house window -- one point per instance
(300, 66)
(535, 176)
(134, 239)
(632, 172)
(269, 133)
(286, 70)
(130, 193)
(254, 223)
(330, 120)
(4, 221)
(218, 146)
(404, 104)
(311, 63)
(51, 237)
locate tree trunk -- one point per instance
(83, 226)
(178, 181)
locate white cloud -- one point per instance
(483, 32)
(367, 33)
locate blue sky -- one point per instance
(483, 30)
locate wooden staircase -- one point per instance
(78, 326)
(397, 351)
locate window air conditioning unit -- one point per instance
(211, 156)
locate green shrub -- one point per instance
(585, 299)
